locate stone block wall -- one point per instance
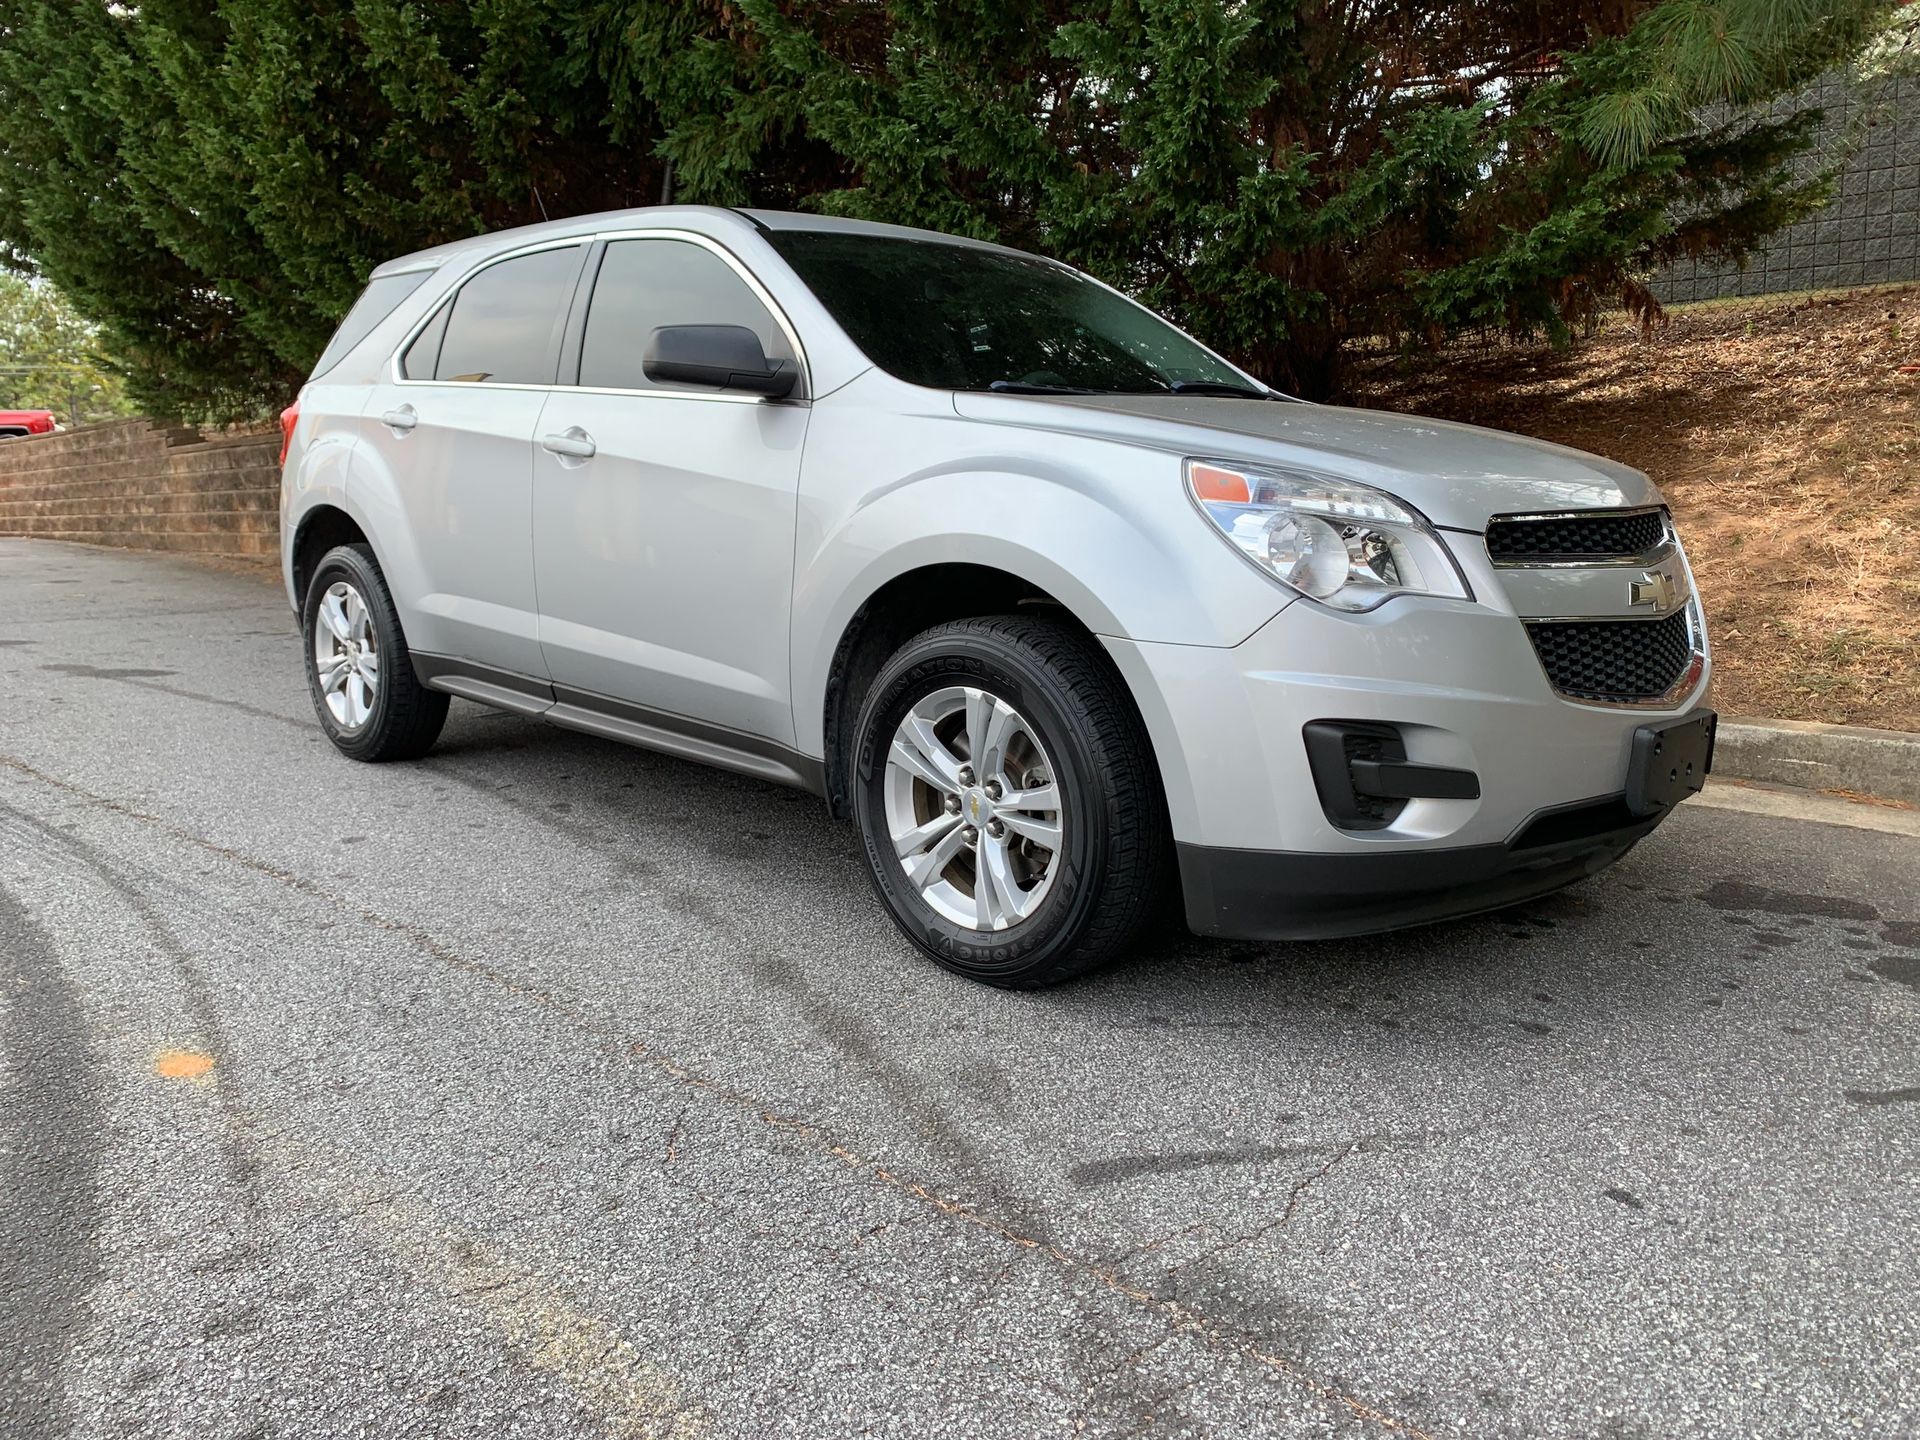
(144, 487)
(1868, 235)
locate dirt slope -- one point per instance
(1787, 435)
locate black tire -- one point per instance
(1116, 852)
(405, 717)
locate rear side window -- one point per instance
(644, 284)
(505, 324)
(379, 300)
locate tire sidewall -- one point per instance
(347, 563)
(1035, 945)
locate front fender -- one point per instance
(1107, 530)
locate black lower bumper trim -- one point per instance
(1293, 895)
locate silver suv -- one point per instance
(1069, 615)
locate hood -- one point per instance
(1455, 475)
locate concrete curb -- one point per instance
(1815, 756)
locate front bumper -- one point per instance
(1460, 686)
(1460, 683)
(1271, 895)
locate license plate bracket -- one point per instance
(1670, 762)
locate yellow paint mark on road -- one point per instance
(181, 1064)
(633, 1394)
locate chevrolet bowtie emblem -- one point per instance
(1655, 588)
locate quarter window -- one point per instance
(504, 326)
(644, 284)
(423, 356)
(379, 300)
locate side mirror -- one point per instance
(727, 356)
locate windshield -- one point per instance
(956, 317)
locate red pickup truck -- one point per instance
(26, 422)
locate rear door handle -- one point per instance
(573, 443)
(401, 420)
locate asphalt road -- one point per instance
(550, 1088)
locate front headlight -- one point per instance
(1336, 542)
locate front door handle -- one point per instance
(573, 443)
(400, 421)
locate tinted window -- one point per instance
(506, 321)
(379, 300)
(958, 317)
(644, 284)
(423, 356)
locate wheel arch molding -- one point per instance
(892, 612)
(320, 527)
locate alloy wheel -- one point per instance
(346, 655)
(972, 809)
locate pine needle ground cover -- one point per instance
(1786, 433)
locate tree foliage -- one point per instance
(211, 181)
(50, 358)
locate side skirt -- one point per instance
(620, 720)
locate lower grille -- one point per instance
(1614, 660)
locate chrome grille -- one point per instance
(1614, 661)
(1593, 535)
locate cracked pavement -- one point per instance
(561, 1089)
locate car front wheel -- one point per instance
(1008, 802)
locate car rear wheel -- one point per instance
(371, 704)
(1007, 801)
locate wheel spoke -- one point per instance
(333, 673)
(1041, 832)
(917, 765)
(986, 911)
(924, 869)
(333, 611)
(938, 765)
(1043, 798)
(989, 721)
(922, 836)
(996, 894)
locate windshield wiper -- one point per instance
(1219, 387)
(1035, 387)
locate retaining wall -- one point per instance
(1868, 235)
(145, 487)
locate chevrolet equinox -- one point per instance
(1065, 612)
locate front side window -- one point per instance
(959, 317)
(645, 284)
(504, 326)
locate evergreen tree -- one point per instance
(1283, 175)
(212, 181)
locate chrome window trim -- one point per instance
(397, 377)
(1664, 548)
(1676, 695)
(739, 267)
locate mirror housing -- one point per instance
(728, 357)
